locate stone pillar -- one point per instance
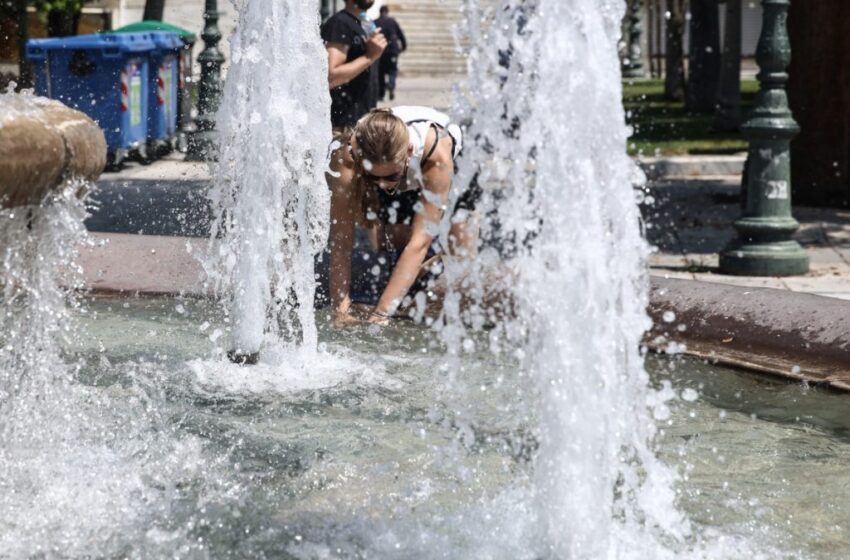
(819, 93)
(674, 80)
(703, 56)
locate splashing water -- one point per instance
(270, 197)
(547, 131)
(39, 276)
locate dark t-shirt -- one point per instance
(351, 101)
(396, 41)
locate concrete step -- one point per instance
(429, 26)
(431, 69)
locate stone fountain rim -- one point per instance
(793, 336)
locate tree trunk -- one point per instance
(674, 80)
(154, 10)
(61, 23)
(820, 101)
(24, 68)
(728, 114)
(704, 56)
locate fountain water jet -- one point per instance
(548, 131)
(270, 198)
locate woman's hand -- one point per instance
(353, 314)
(344, 319)
(378, 318)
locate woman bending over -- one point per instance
(393, 175)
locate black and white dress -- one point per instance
(400, 206)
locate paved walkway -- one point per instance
(431, 91)
(688, 220)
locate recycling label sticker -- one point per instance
(168, 84)
(135, 99)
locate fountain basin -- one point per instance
(43, 143)
(354, 454)
(802, 337)
(763, 330)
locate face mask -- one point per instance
(364, 4)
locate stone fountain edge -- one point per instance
(795, 336)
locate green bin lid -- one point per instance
(152, 25)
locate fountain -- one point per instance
(43, 143)
(270, 197)
(125, 431)
(554, 141)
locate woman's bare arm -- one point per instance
(438, 174)
(341, 230)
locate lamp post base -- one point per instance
(782, 258)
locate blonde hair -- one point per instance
(381, 138)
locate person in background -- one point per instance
(396, 44)
(353, 49)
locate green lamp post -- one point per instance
(325, 9)
(24, 70)
(202, 142)
(764, 246)
(633, 65)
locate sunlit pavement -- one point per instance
(147, 216)
(689, 221)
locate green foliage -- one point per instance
(664, 127)
(66, 6)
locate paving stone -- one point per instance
(170, 168)
(666, 260)
(664, 273)
(746, 281)
(819, 284)
(844, 253)
(826, 256)
(150, 264)
(837, 295)
(705, 240)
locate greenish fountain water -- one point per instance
(159, 452)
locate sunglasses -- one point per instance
(376, 179)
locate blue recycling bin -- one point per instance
(105, 76)
(164, 64)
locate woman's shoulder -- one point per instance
(438, 148)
